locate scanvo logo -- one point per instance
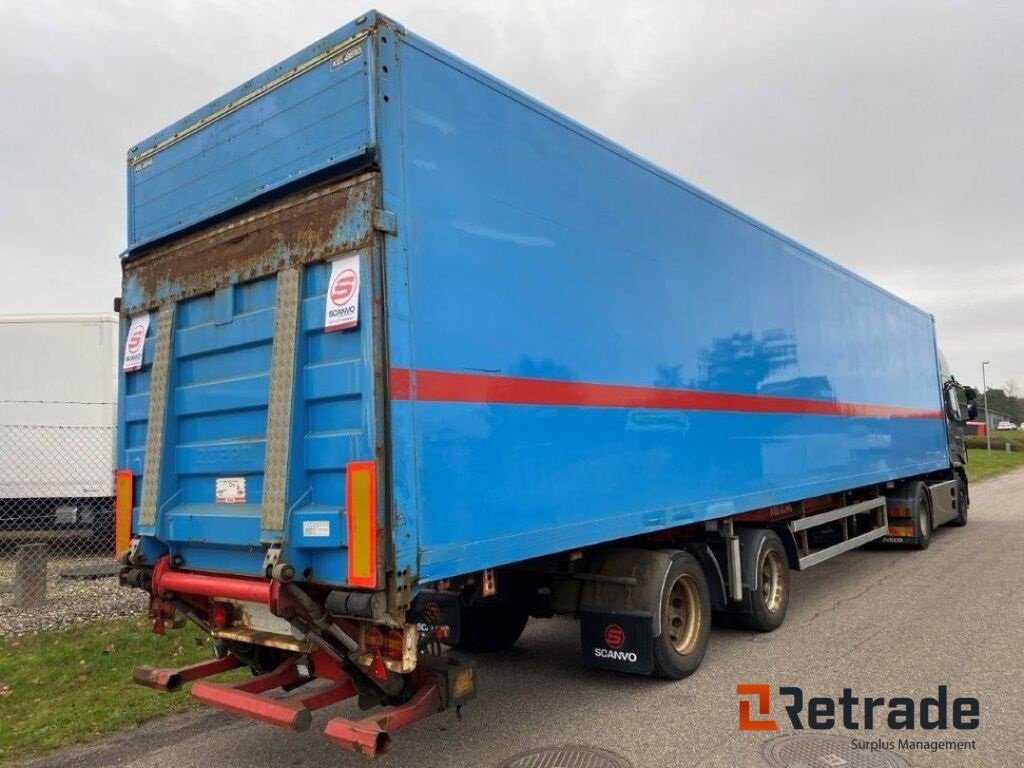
(899, 713)
(135, 339)
(343, 288)
(135, 343)
(615, 639)
(341, 310)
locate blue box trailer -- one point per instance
(410, 357)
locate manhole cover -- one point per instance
(814, 751)
(91, 571)
(566, 757)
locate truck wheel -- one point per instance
(685, 620)
(765, 565)
(922, 517)
(491, 626)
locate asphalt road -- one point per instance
(884, 623)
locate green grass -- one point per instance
(999, 439)
(60, 688)
(982, 464)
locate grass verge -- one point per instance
(999, 439)
(61, 688)
(980, 463)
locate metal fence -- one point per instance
(57, 528)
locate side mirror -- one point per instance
(958, 406)
(972, 410)
(971, 394)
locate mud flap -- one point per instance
(437, 609)
(618, 640)
(903, 529)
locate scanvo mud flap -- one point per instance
(619, 640)
(433, 609)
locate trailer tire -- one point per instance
(767, 600)
(922, 517)
(685, 620)
(491, 626)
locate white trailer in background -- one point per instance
(58, 398)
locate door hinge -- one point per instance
(385, 221)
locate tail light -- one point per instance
(220, 616)
(373, 639)
(394, 641)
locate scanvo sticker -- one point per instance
(135, 342)
(230, 490)
(341, 309)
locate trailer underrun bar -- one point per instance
(313, 682)
(369, 736)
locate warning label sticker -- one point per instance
(342, 306)
(316, 528)
(135, 342)
(230, 490)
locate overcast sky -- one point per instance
(888, 136)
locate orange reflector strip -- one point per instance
(361, 513)
(124, 484)
(902, 531)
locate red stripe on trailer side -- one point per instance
(400, 384)
(448, 387)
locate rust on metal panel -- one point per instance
(269, 639)
(171, 680)
(308, 226)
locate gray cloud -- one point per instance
(887, 136)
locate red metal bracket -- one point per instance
(370, 736)
(170, 680)
(167, 582)
(291, 712)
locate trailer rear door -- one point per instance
(246, 417)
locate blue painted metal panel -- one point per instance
(308, 113)
(133, 417)
(332, 424)
(218, 406)
(575, 261)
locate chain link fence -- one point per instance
(57, 564)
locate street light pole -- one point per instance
(988, 421)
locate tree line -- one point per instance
(1006, 399)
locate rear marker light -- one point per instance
(393, 643)
(373, 640)
(124, 483)
(220, 616)
(361, 514)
